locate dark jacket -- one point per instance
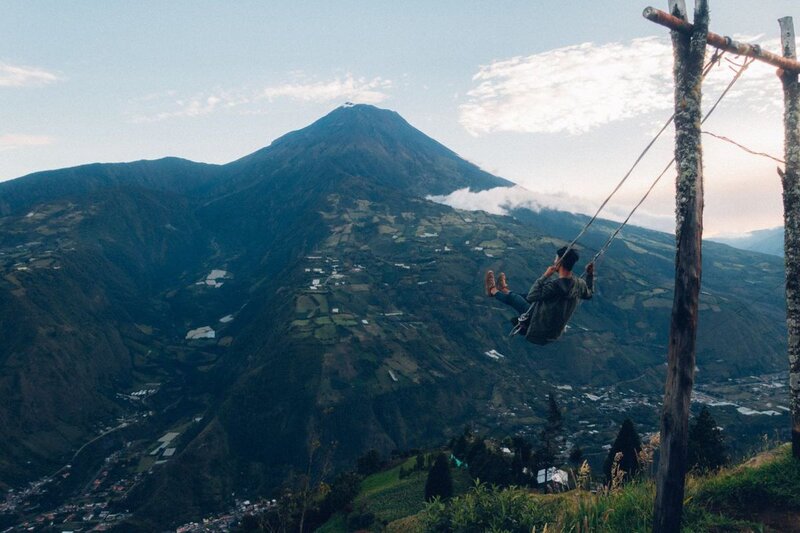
(556, 300)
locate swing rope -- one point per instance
(607, 244)
(715, 59)
(523, 318)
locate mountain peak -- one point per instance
(351, 118)
(378, 144)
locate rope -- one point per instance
(715, 59)
(745, 148)
(605, 246)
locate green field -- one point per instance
(391, 498)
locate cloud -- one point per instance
(359, 90)
(11, 141)
(194, 106)
(22, 76)
(503, 200)
(579, 88)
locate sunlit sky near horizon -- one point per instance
(558, 97)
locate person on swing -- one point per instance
(555, 299)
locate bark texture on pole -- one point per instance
(689, 51)
(791, 216)
(680, 24)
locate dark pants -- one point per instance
(517, 301)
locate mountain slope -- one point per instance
(345, 309)
(765, 241)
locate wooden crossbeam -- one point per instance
(723, 43)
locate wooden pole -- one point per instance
(689, 51)
(680, 24)
(790, 178)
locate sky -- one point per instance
(559, 97)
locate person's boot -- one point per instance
(502, 283)
(488, 283)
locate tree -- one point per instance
(629, 443)
(555, 422)
(523, 453)
(707, 449)
(369, 463)
(343, 491)
(548, 452)
(439, 482)
(576, 456)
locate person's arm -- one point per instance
(589, 290)
(541, 291)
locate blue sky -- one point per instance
(556, 96)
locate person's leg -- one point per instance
(517, 301)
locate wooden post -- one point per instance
(790, 178)
(680, 24)
(689, 51)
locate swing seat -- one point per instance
(521, 328)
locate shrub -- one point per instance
(487, 508)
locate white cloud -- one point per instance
(578, 88)
(503, 200)
(22, 76)
(194, 106)
(359, 90)
(10, 141)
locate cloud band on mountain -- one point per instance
(503, 200)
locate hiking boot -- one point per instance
(488, 283)
(502, 283)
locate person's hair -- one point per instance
(570, 259)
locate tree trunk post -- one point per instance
(791, 216)
(689, 51)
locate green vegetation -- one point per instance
(765, 492)
(770, 481)
(707, 448)
(440, 482)
(400, 491)
(487, 508)
(628, 444)
(109, 257)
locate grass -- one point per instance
(403, 498)
(391, 498)
(337, 524)
(766, 485)
(384, 479)
(761, 495)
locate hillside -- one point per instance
(218, 320)
(761, 494)
(765, 241)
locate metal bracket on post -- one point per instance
(678, 9)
